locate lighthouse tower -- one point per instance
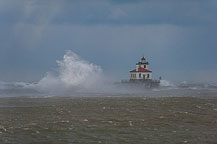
(141, 72)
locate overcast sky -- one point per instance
(178, 37)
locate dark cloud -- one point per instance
(138, 12)
(125, 1)
(110, 12)
(179, 37)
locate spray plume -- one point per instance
(73, 74)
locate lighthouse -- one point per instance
(141, 72)
(141, 77)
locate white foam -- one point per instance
(166, 83)
(73, 74)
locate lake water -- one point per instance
(154, 116)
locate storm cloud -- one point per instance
(177, 37)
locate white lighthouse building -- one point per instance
(141, 72)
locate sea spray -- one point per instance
(73, 74)
(166, 83)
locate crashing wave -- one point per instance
(73, 74)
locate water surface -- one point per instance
(110, 119)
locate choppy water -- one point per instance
(166, 116)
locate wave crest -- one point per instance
(73, 74)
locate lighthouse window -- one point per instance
(133, 75)
(144, 66)
(140, 75)
(147, 75)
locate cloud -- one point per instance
(144, 12)
(119, 2)
(109, 12)
(116, 13)
(177, 36)
(33, 17)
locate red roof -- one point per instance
(141, 70)
(142, 58)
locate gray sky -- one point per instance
(178, 37)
